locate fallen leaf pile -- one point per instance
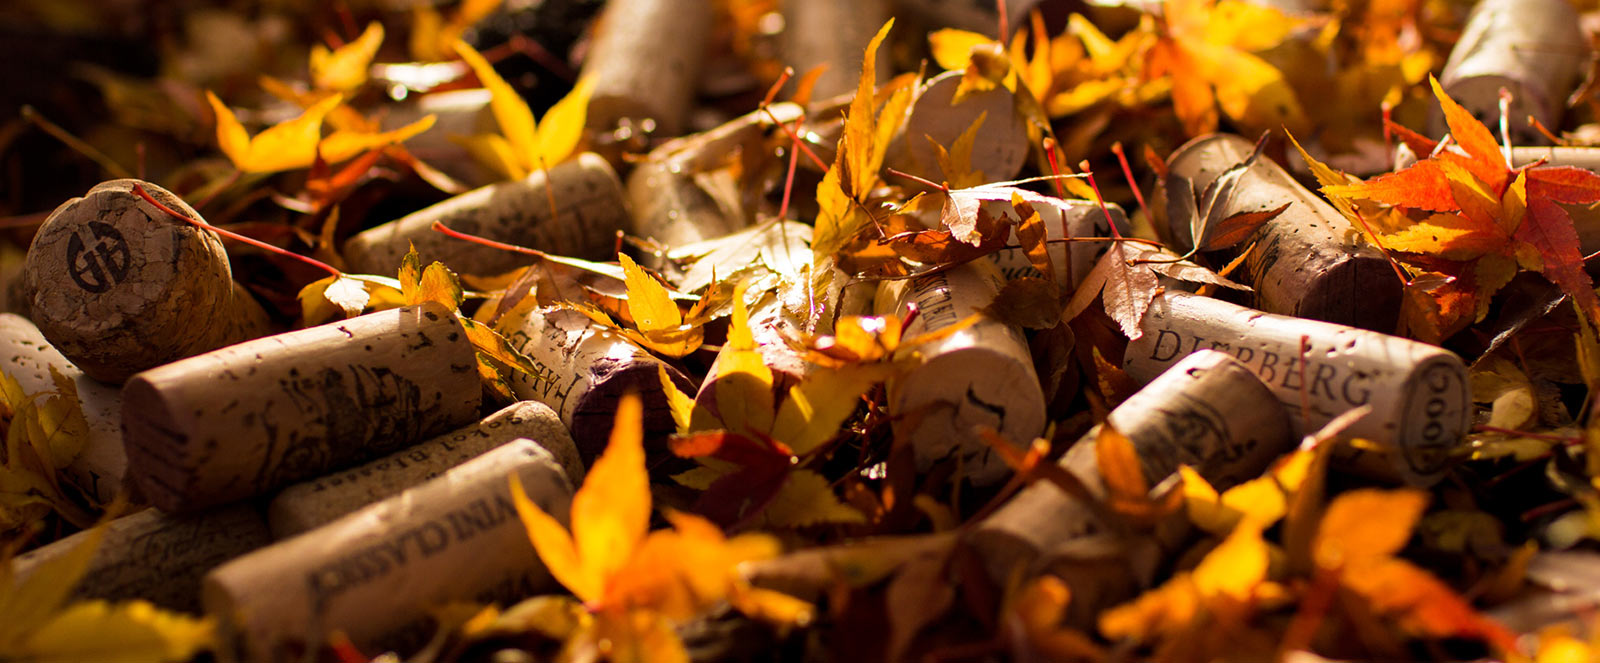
(810, 466)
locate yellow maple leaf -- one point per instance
(522, 147)
(635, 582)
(432, 36)
(285, 146)
(1207, 50)
(36, 624)
(43, 434)
(345, 68)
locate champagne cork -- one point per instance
(1071, 261)
(982, 375)
(684, 192)
(1001, 147)
(308, 505)
(376, 574)
(245, 420)
(1535, 49)
(583, 373)
(588, 209)
(645, 61)
(119, 286)
(1205, 412)
(28, 358)
(1309, 261)
(833, 34)
(1419, 394)
(155, 556)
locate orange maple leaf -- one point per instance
(1486, 209)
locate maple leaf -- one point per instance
(1486, 211)
(842, 195)
(1124, 286)
(1206, 47)
(1225, 583)
(36, 623)
(637, 583)
(1357, 539)
(345, 68)
(286, 146)
(433, 37)
(44, 432)
(751, 446)
(522, 146)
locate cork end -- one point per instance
(159, 466)
(1357, 290)
(955, 394)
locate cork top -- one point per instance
(117, 285)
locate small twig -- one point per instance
(1100, 198)
(920, 180)
(1405, 282)
(1505, 125)
(1127, 173)
(794, 136)
(105, 162)
(139, 191)
(438, 226)
(1549, 437)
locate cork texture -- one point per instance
(376, 574)
(119, 286)
(247, 419)
(645, 60)
(982, 375)
(1419, 393)
(1535, 49)
(310, 504)
(27, 357)
(588, 209)
(1308, 262)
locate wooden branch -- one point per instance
(247, 419)
(311, 504)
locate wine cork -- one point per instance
(155, 556)
(1535, 49)
(684, 192)
(584, 371)
(980, 376)
(1001, 146)
(310, 504)
(376, 574)
(1071, 261)
(771, 327)
(573, 209)
(119, 286)
(27, 358)
(645, 61)
(833, 34)
(247, 419)
(1205, 412)
(1309, 261)
(1419, 392)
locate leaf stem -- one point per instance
(77, 144)
(438, 226)
(1127, 173)
(139, 190)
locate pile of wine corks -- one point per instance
(283, 481)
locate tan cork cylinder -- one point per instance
(247, 419)
(1419, 392)
(1001, 147)
(833, 34)
(156, 556)
(673, 190)
(589, 209)
(1206, 412)
(27, 357)
(310, 504)
(1308, 262)
(1071, 261)
(584, 371)
(377, 573)
(1535, 49)
(119, 286)
(771, 327)
(982, 375)
(645, 62)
